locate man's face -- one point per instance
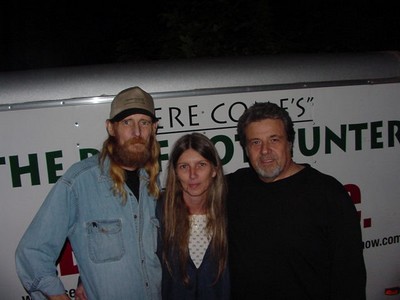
(268, 149)
(132, 136)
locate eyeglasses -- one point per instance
(143, 123)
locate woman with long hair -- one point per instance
(193, 245)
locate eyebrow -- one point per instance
(144, 118)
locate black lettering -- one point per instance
(176, 117)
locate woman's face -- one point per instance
(195, 173)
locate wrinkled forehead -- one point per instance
(266, 127)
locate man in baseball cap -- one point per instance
(105, 206)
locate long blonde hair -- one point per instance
(176, 223)
(117, 173)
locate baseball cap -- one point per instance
(131, 101)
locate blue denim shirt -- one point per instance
(114, 245)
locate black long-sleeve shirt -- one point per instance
(296, 238)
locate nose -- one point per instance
(192, 172)
(136, 129)
(265, 149)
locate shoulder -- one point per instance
(325, 185)
(82, 167)
(239, 175)
(320, 177)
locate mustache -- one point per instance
(135, 140)
(267, 157)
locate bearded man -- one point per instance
(294, 232)
(105, 206)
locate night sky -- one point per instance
(35, 35)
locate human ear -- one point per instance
(110, 128)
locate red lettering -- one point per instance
(355, 195)
(67, 266)
(354, 192)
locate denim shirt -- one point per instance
(114, 244)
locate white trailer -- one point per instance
(346, 109)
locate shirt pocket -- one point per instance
(105, 240)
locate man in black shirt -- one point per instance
(293, 232)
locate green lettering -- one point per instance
(340, 141)
(228, 147)
(32, 168)
(316, 139)
(52, 167)
(86, 152)
(375, 135)
(163, 144)
(358, 128)
(392, 134)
